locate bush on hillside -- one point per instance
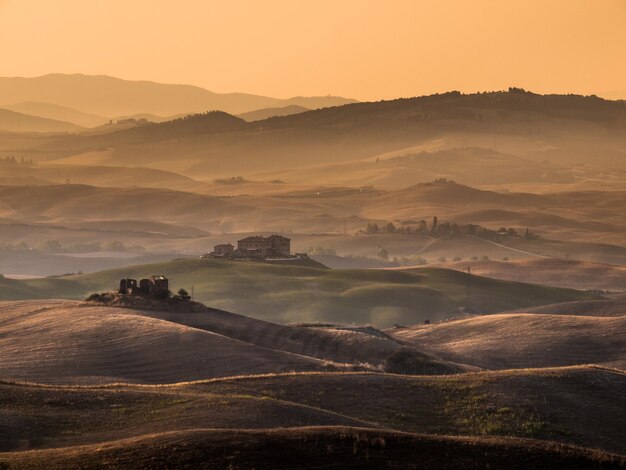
(96, 297)
(182, 296)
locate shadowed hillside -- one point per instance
(502, 409)
(286, 449)
(260, 114)
(565, 129)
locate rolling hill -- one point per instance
(311, 293)
(551, 271)
(95, 175)
(566, 221)
(109, 96)
(13, 121)
(546, 404)
(523, 413)
(89, 202)
(90, 385)
(567, 130)
(58, 113)
(593, 308)
(115, 345)
(235, 344)
(285, 449)
(260, 114)
(519, 340)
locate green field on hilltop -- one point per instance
(310, 292)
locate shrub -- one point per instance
(104, 297)
(95, 297)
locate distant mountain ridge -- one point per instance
(110, 96)
(56, 112)
(13, 121)
(217, 144)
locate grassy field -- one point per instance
(309, 293)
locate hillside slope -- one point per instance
(57, 112)
(564, 405)
(61, 342)
(564, 129)
(13, 121)
(293, 292)
(551, 271)
(260, 114)
(286, 449)
(592, 308)
(518, 340)
(569, 405)
(109, 96)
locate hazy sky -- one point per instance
(358, 48)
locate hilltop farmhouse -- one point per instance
(154, 285)
(274, 246)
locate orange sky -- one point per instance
(358, 48)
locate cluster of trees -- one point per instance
(55, 246)
(437, 228)
(409, 227)
(11, 160)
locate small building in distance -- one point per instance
(223, 249)
(265, 247)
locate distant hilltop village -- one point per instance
(274, 246)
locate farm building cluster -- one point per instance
(152, 286)
(274, 246)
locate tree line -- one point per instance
(436, 228)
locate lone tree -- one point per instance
(183, 294)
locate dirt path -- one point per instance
(512, 249)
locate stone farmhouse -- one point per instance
(274, 246)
